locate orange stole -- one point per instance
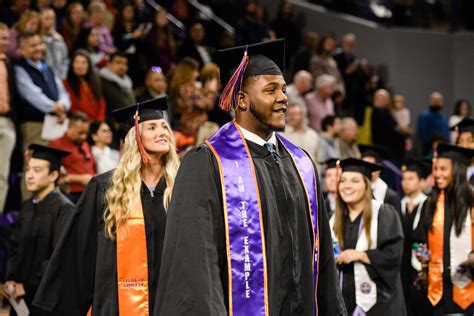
(465, 296)
(435, 264)
(132, 265)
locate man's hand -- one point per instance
(19, 291)
(5, 287)
(61, 117)
(59, 107)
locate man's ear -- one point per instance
(242, 100)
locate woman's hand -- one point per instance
(351, 255)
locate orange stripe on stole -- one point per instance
(132, 265)
(435, 264)
(465, 296)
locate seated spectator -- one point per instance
(432, 124)
(11, 14)
(307, 49)
(319, 102)
(128, 36)
(87, 40)
(250, 29)
(329, 174)
(400, 111)
(41, 90)
(116, 84)
(105, 157)
(30, 21)
(84, 87)
(298, 132)
(328, 144)
(80, 163)
(160, 43)
(56, 49)
(385, 130)
(211, 85)
(302, 84)
(462, 110)
(193, 46)
(323, 63)
(72, 25)
(97, 11)
(155, 87)
(348, 138)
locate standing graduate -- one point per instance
(380, 189)
(449, 227)
(108, 260)
(330, 185)
(247, 231)
(465, 138)
(42, 219)
(370, 236)
(413, 203)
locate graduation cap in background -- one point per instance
(361, 166)
(331, 163)
(236, 63)
(135, 114)
(455, 153)
(466, 125)
(378, 152)
(420, 166)
(53, 155)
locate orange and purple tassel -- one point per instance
(145, 157)
(228, 98)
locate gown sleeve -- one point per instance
(194, 264)
(386, 258)
(67, 285)
(329, 295)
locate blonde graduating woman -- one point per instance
(108, 261)
(368, 241)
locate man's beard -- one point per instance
(264, 120)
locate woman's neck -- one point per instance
(152, 171)
(355, 209)
(100, 145)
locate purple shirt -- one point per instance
(318, 109)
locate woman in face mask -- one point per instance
(368, 241)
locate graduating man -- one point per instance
(381, 191)
(42, 218)
(412, 207)
(248, 231)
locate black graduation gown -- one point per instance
(34, 239)
(416, 299)
(394, 199)
(384, 269)
(193, 278)
(83, 270)
(447, 305)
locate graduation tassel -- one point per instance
(435, 156)
(338, 170)
(145, 157)
(228, 98)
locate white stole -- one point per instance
(460, 247)
(365, 288)
(379, 190)
(418, 200)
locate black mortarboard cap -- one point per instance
(148, 110)
(455, 153)
(420, 166)
(265, 58)
(378, 152)
(331, 163)
(53, 155)
(466, 125)
(361, 166)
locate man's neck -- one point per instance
(413, 195)
(263, 134)
(298, 128)
(100, 145)
(328, 134)
(40, 195)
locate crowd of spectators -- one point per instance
(64, 67)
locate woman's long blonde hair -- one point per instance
(126, 182)
(341, 206)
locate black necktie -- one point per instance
(272, 149)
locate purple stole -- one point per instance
(245, 238)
